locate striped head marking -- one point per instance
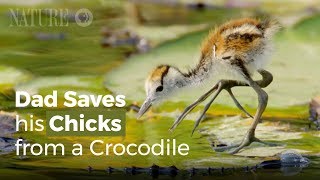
(156, 87)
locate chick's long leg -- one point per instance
(262, 104)
(266, 80)
(223, 84)
(236, 102)
(220, 88)
(192, 106)
(263, 101)
(220, 85)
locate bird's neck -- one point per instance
(195, 76)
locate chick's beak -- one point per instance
(144, 108)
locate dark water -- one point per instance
(312, 171)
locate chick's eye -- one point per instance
(159, 89)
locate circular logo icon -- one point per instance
(83, 17)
